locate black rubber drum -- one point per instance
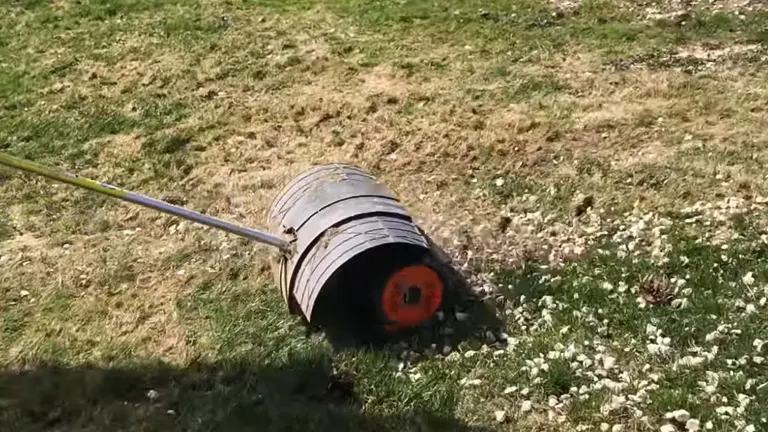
(359, 259)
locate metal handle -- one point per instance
(143, 200)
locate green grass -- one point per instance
(117, 318)
(259, 368)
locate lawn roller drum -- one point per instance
(350, 254)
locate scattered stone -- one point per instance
(461, 316)
(681, 416)
(153, 395)
(748, 279)
(609, 362)
(472, 382)
(692, 425)
(501, 416)
(724, 410)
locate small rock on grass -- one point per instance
(679, 303)
(500, 416)
(681, 416)
(526, 406)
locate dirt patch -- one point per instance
(653, 152)
(62, 5)
(713, 53)
(117, 147)
(314, 49)
(680, 11)
(382, 82)
(565, 5)
(696, 58)
(130, 75)
(18, 244)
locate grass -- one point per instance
(494, 121)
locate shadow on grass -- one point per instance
(302, 396)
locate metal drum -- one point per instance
(357, 256)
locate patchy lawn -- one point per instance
(596, 170)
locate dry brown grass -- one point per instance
(326, 109)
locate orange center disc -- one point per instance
(411, 296)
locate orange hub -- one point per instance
(412, 295)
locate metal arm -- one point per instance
(143, 200)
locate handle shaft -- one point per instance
(115, 192)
